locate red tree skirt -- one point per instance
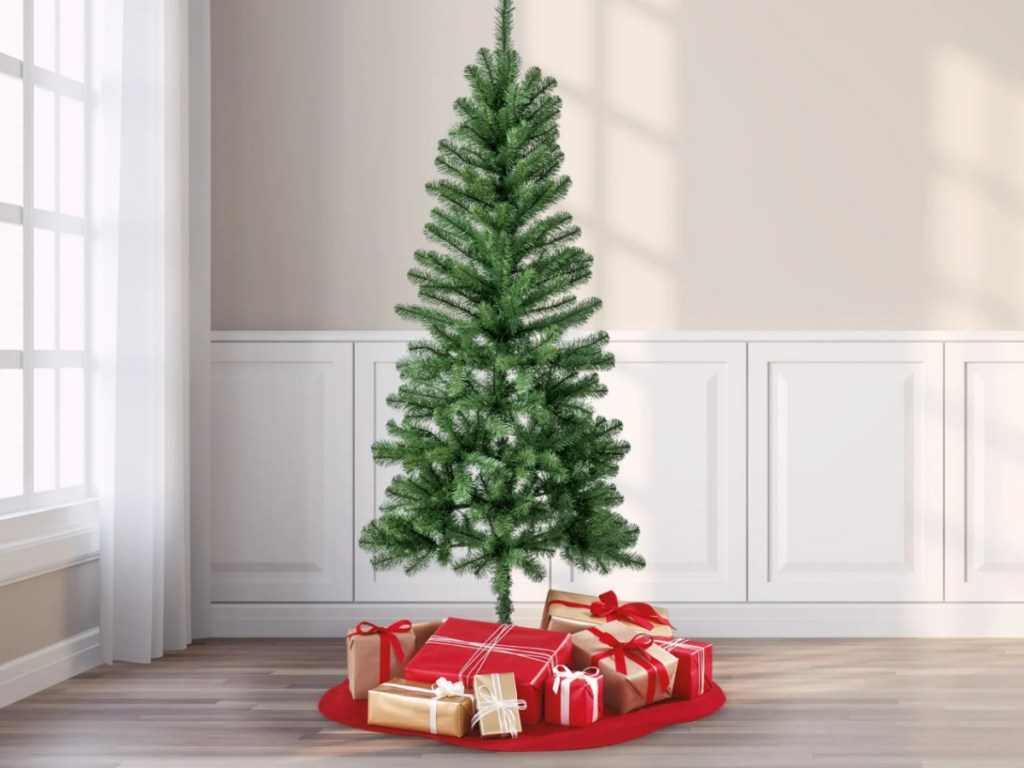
(337, 704)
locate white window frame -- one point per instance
(47, 530)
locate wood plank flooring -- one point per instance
(792, 703)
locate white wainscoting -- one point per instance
(786, 484)
(985, 472)
(846, 472)
(281, 430)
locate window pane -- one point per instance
(44, 429)
(44, 26)
(72, 157)
(72, 39)
(72, 292)
(11, 287)
(44, 309)
(11, 28)
(12, 150)
(72, 427)
(12, 439)
(45, 151)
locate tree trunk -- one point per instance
(501, 586)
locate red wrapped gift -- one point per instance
(694, 671)
(461, 649)
(574, 698)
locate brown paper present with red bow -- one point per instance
(572, 612)
(377, 654)
(636, 671)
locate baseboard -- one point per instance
(693, 619)
(48, 666)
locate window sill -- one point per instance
(40, 541)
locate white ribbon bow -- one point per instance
(442, 689)
(488, 702)
(564, 678)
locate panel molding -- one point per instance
(970, 450)
(914, 373)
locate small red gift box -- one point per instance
(460, 649)
(574, 698)
(694, 670)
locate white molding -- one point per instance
(49, 666)
(712, 620)
(710, 336)
(38, 542)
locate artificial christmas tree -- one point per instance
(503, 461)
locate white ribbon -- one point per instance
(442, 689)
(564, 678)
(683, 642)
(493, 644)
(489, 702)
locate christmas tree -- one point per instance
(504, 462)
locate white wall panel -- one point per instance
(683, 409)
(846, 472)
(985, 472)
(281, 517)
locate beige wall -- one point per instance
(738, 164)
(49, 608)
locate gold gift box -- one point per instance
(364, 659)
(498, 720)
(623, 692)
(418, 707)
(567, 618)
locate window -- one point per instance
(44, 254)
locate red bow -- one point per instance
(387, 635)
(635, 650)
(641, 614)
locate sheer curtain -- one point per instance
(139, 156)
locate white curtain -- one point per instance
(140, 309)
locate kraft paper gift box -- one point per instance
(497, 705)
(460, 649)
(574, 697)
(694, 671)
(636, 671)
(443, 707)
(572, 612)
(377, 654)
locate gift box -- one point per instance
(461, 649)
(574, 697)
(377, 654)
(694, 670)
(571, 612)
(423, 630)
(442, 707)
(497, 708)
(636, 671)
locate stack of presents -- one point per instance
(590, 654)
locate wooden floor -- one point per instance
(792, 703)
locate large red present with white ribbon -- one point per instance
(460, 649)
(574, 697)
(693, 674)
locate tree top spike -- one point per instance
(503, 25)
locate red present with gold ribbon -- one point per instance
(694, 672)
(574, 697)
(636, 671)
(377, 654)
(572, 612)
(460, 649)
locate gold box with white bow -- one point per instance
(442, 707)
(497, 705)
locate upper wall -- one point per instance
(738, 164)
